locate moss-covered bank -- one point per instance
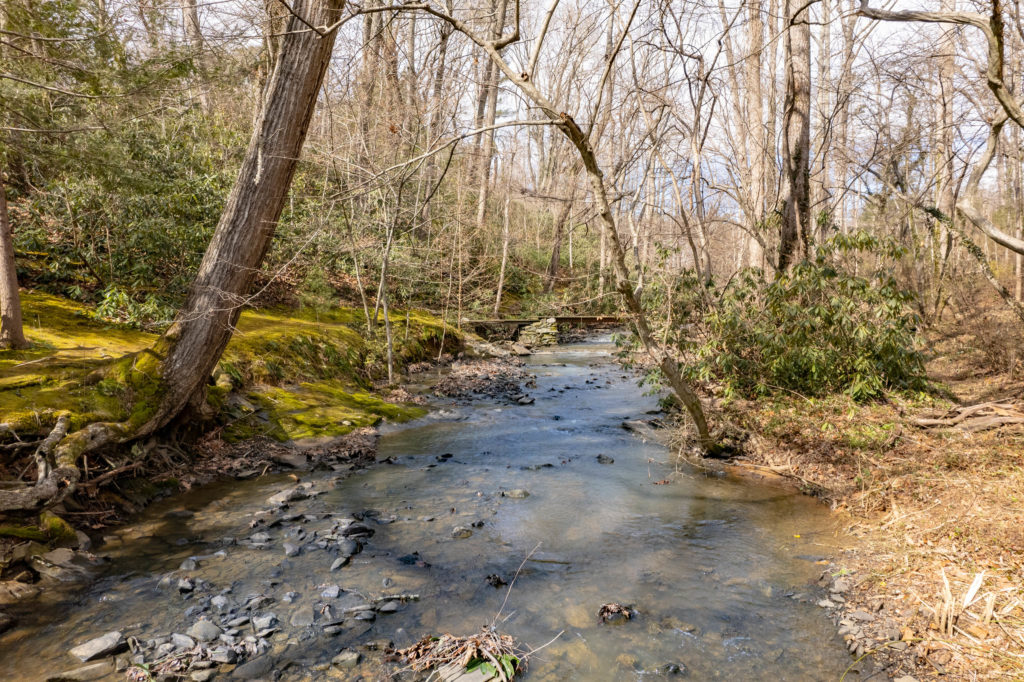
(288, 374)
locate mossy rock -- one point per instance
(33, 533)
(313, 410)
(57, 529)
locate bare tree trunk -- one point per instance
(795, 232)
(387, 333)
(194, 35)
(819, 200)
(504, 253)
(491, 88)
(755, 124)
(556, 245)
(1016, 172)
(436, 118)
(12, 334)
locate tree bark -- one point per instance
(758, 147)
(504, 254)
(556, 245)
(12, 334)
(194, 34)
(203, 327)
(491, 89)
(796, 223)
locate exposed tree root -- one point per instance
(57, 462)
(49, 478)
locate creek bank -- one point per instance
(936, 585)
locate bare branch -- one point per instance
(991, 26)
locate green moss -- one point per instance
(57, 529)
(72, 366)
(313, 410)
(24, 533)
(99, 373)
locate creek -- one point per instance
(721, 572)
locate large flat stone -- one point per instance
(110, 643)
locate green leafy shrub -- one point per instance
(118, 305)
(816, 330)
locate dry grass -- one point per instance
(461, 653)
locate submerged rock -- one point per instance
(94, 671)
(64, 565)
(461, 532)
(346, 659)
(388, 607)
(254, 669)
(12, 591)
(303, 617)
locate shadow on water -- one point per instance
(718, 570)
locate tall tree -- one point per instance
(11, 333)
(796, 218)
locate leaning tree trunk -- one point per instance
(179, 365)
(11, 333)
(588, 158)
(203, 327)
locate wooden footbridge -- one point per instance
(510, 327)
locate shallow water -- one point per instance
(720, 571)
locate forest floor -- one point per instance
(935, 584)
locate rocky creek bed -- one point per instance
(541, 484)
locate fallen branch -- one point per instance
(973, 418)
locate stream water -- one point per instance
(720, 572)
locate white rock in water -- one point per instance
(346, 659)
(93, 671)
(516, 494)
(101, 646)
(289, 495)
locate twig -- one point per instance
(512, 583)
